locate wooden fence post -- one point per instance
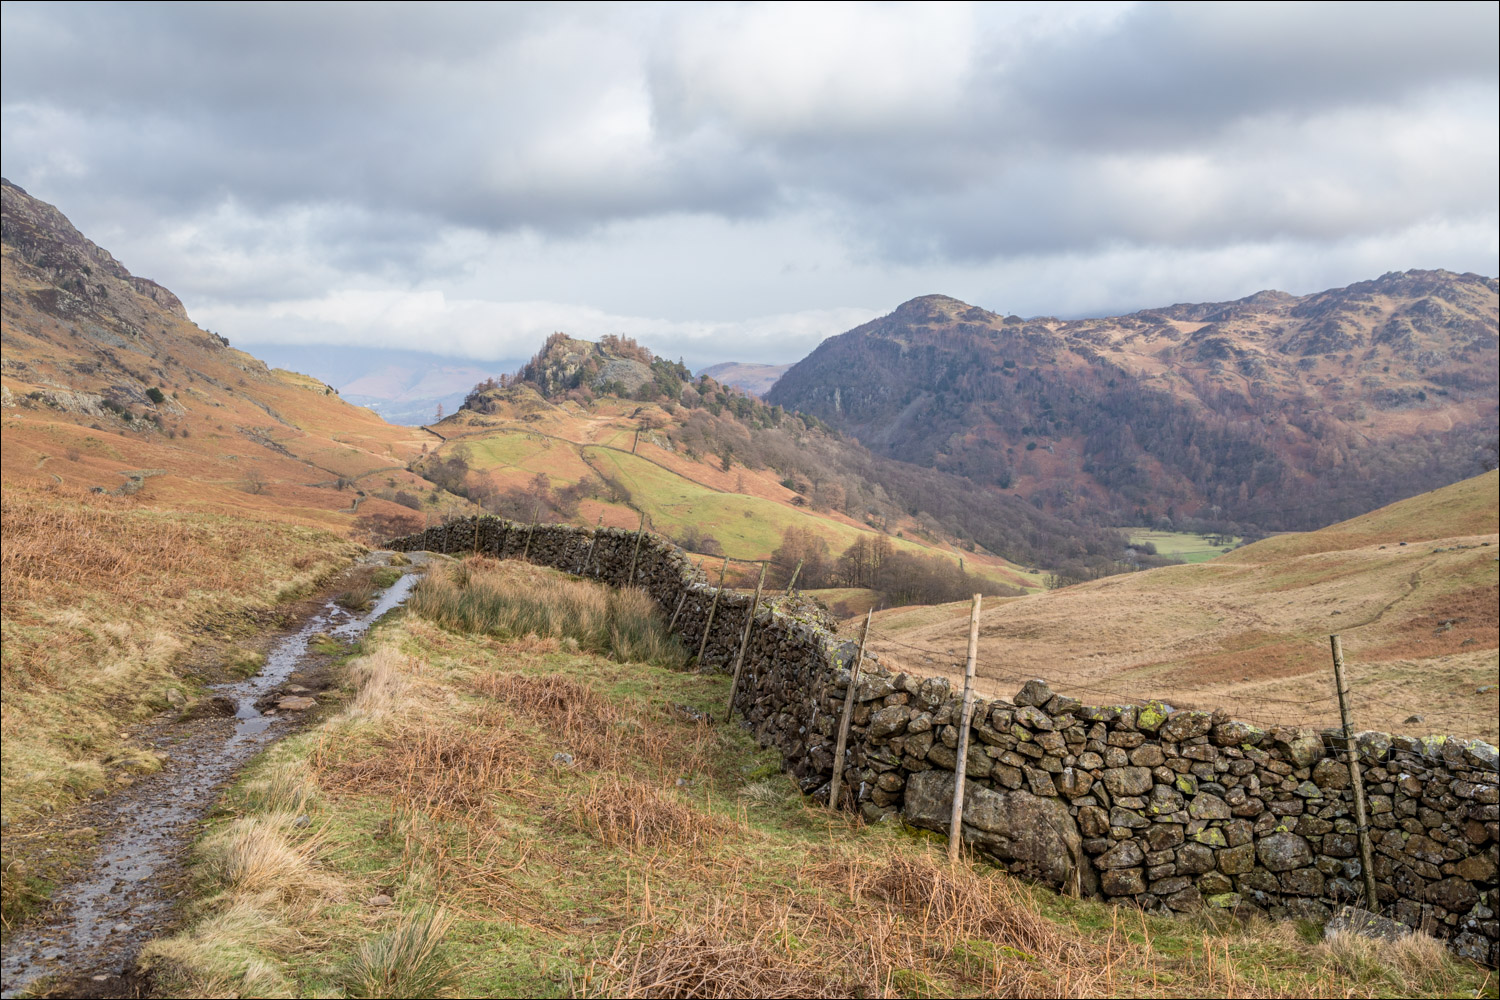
(793, 582)
(532, 530)
(593, 540)
(680, 598)
(739, 660)
(712, 609)
(1356, 775)
(961, 766)
(630, 579)
(842, 743)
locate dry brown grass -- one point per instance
(102, 598)
(437, 766)
(1249, 631)
(255, 856)
(700, 962)
(861, 927)
(637, 817)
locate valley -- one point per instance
(532, 796)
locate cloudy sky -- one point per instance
(737, 182)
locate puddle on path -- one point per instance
(102, 917)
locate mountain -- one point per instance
(106, 384)
(1274, 411)
(588, 430)
(753, 378)
(1410, 587)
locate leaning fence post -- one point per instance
(961, 765)
(531, 531)
(843, 740)
(793, 582)
(1356, 775)
(703, 646)
(589, 555)
(680, 598)
(739, 660)
(630, 579)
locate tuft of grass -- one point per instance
(222, 955)
(254, 855)
(1411, 958)
(383, 576)
(407, 961)
(358, 597)
(286, 788)
(485, 596)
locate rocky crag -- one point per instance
(1138, 803)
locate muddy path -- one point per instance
(84, 944)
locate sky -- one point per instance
(737, 182)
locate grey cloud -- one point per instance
(266, 153)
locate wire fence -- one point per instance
(1259, 707)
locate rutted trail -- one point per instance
(102, 916)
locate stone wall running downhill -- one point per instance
(1169, 809)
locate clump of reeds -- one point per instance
(488, 597)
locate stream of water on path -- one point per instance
(124, 898)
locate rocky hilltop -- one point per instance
(1274, 411)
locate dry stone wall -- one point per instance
(1165, 809)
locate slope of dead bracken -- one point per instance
(107, 383)
(1410, 587)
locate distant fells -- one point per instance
(1275, 412)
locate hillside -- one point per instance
(608, 430)
(165, 495)
(1273, 412)
(1410, 587)
(107, 384)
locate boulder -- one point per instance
(1032, 835)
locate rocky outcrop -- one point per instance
(1169, 810)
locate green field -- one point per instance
(1188, 547)
(746, 527)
